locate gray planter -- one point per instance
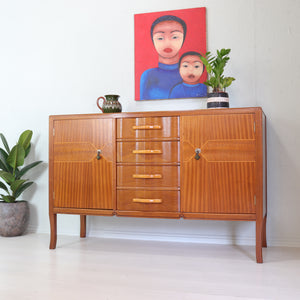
(14, 218)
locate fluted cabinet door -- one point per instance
(218, 163)
(83, 163)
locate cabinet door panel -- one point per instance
(80, 179)
(222, 180)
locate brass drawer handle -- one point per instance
(146, 201)
(146, 151)
(147, 176)
(147, 127)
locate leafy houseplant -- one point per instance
(217, 81)
(13, 184)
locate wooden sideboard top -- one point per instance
(241, 110)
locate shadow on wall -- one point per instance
(29, 194)
(283, 182)
(172, 230)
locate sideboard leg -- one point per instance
(82, 226)
(53, 231)
(259, 241)
(264, 232)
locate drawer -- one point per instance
(148, 200)
(148, 128)
(148, 176)
(148, 152)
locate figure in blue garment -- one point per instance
(168, 34)
(190, 69)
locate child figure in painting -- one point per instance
(191, 69)
(168, 34)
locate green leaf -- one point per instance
(228, 81)
(27, 168)
(3, 186)
(204, 60)
(25, 139)
(215, 68)
(16, 156)
(16, 184)
(8, 198)
(225, 52)
(8, 177)
(27, 150)
(21, 189)
(3, 164)
(4, 141)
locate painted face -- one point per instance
(168, 38)
(191, 69)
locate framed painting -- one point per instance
(168, 47)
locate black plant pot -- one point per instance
(217, 100)
(14, 218)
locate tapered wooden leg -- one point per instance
(264, 232)
(82, 226)
(53, 231)
(259, 227)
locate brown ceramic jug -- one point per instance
(110, 104)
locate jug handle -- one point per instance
(99, 104)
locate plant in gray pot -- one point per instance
(215, 68)
(14, 215)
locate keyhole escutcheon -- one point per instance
(99, 154)
(197, 151)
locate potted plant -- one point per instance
(14, 215)
(215, 68)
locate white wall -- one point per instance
(58, 56)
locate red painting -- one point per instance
(168, 47)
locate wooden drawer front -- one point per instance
(148, 176)
(144, 128)
(148, 152)
(148, 200)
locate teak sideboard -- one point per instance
(201, 164)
